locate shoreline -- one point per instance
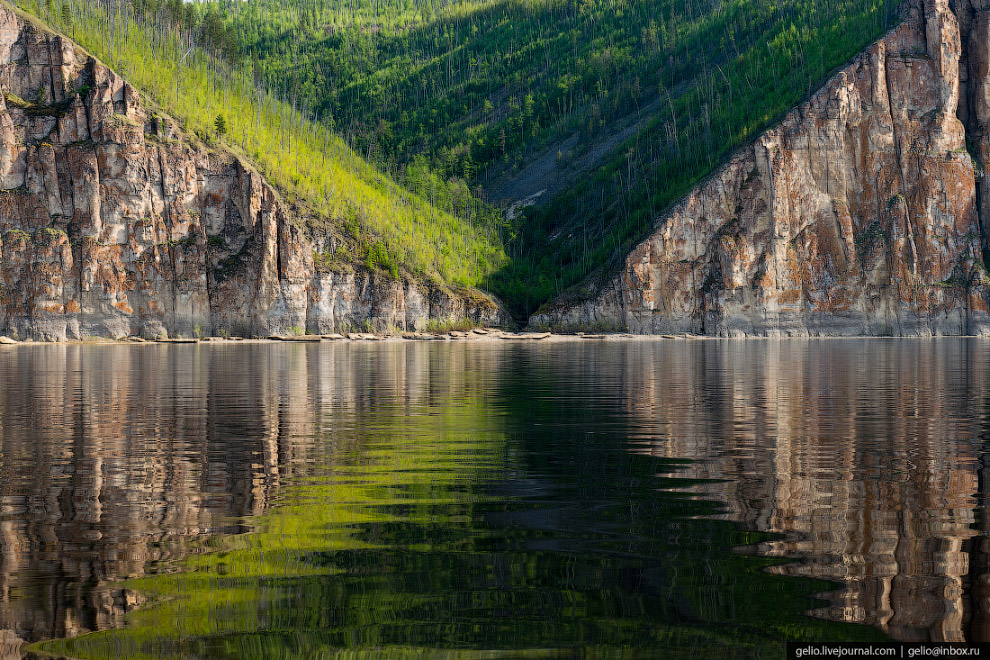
(486, 335)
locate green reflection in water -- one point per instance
(475, 527)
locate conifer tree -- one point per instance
(220, 124)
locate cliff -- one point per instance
(115, 223)
(864, 212)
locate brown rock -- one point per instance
(168, 239)
(857, 214)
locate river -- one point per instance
(572, 499)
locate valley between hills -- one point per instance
(256, 169)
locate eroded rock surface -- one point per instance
(113, 223)
(865, 211)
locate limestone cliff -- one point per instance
(113, 223)
(864, 211)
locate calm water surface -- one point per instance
(619, 499)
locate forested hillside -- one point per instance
(585, 117)
(439, 232)
(611, 108)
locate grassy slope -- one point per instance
(627, 104)
(391, 227)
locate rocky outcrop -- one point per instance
(864, 212)
(114, 223)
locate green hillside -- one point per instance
(612, 108)
(434, 230)
(602, 112)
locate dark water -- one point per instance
(637, 499)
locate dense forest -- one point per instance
(602, 112)
(627, 103)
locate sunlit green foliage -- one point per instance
(643, 98)
(450, 237)
(626, 105)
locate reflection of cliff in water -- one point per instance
(114, 457)
(91, 491)
(856, 452)
(865, 455)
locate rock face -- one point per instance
(113, 223)
(864, 212)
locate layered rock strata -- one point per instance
(113, 223)
(864, 212)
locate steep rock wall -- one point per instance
(864, 211)
(113, 223)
